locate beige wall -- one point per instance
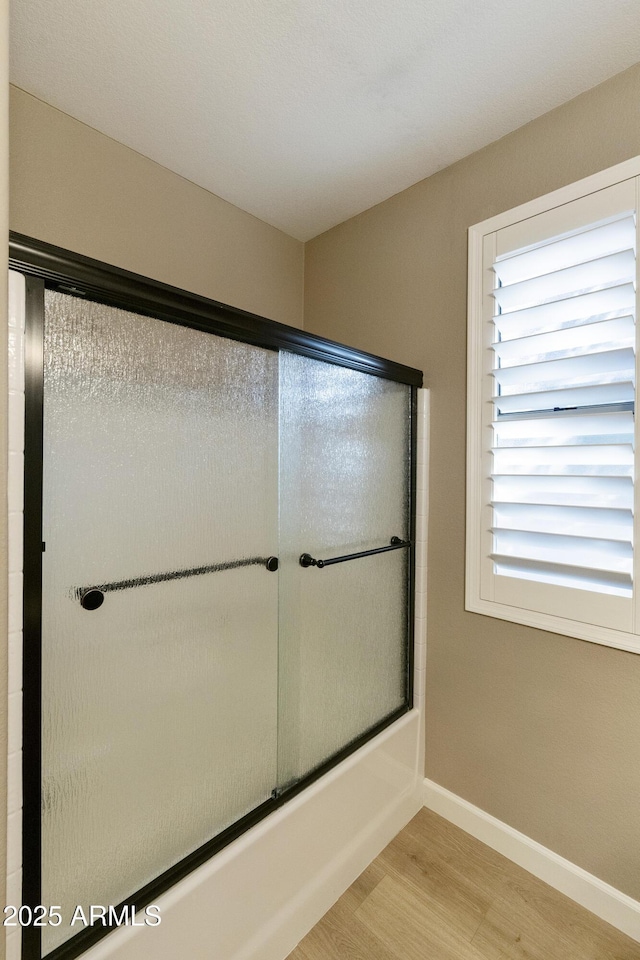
(78, 189)
(540, 730)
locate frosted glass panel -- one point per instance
(344, 488)
(160, 707)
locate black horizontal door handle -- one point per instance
(396, 544)
(93, 597)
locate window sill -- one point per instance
(593, 633)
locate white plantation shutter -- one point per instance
(563, 398)
(552, 437)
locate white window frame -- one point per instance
(479, 594)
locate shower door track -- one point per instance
(48, 266)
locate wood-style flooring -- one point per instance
(436, 893)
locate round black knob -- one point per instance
(92, 599)
(272, 564)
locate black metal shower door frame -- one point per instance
(44, 265)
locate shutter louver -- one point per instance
(563, 426)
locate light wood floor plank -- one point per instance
(407, 924)
(341, 936)
(363, 886)
(459, 901)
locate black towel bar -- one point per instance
(396, 544)
(92, 597)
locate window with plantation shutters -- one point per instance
(564, 389)
(552, 429)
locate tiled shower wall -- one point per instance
(16, 507)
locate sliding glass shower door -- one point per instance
(345, 469)
(217, 570)
(159, 629)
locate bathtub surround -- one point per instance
(370, 405)
(261, 894)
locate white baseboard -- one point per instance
(618, 909)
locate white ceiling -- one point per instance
(306, 113)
